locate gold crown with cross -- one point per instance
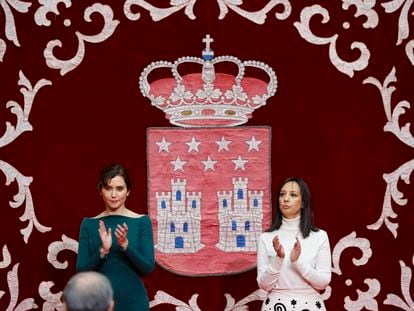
(208, 98)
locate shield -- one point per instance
(209, 197)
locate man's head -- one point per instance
(88, 291)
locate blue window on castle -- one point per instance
(172, 227)
(241, 241)
(179, 242)
(178, 195)
(240, 194)
(225, 203)
(255, 203)
(163, 205)
(194, 204)
(233, 225)
(185, 227)
(247, 225)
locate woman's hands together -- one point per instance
(106, 236)
(278, 247)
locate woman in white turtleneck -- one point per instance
(293, 256)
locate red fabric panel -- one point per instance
(327, 119)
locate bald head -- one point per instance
(88, 291)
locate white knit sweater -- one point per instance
(310, 273)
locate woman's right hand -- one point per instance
(278, 247)
(106, 237)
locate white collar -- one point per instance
(291, 224)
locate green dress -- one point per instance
(123, 268)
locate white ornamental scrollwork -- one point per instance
(363, 7)
(407, 302)
(392, 192)
(5, 263)
(403, 25)
(409, 50)
(365, 299)
(48, 6)
(3, 48)
(257, 17)
(351, 241)
(22, 115)
(108, 29)
(23, 195)
(305, 32)
(162, 297)
(6, 258)
(403, 134)
(56, 247)
(392, 125)
(13, 284)
(52, 301)
(156, 13)
(10, 25)
(231, 305)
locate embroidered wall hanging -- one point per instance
(208, 182)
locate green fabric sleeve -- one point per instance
(142, 255)
(87, 260)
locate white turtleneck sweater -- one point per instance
(310, 273)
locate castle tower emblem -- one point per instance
(179, 219)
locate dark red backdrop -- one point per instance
(327, 126)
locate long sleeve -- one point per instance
(319, 275)
(268, 267)
(141, 256)
(86, 259)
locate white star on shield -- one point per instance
(239, 163)
(178, 164)
(193, 145)
(209, 164)
(163, 145)
(253, 143)
(223, 144)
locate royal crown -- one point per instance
(208, 98)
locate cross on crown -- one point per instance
(208, 53)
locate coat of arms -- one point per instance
(208, 181)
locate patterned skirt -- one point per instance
(293, 301)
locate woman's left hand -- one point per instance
(294, 255)
(121, 235)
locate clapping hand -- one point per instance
(278, 247)
(106, 237)
(294, 255)
(121, 235)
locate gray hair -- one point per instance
(88, 291)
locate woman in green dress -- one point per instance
(118, 242)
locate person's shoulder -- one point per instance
(100, 215)
(133, 215)
(268, 235)
(144, 218)
(86, 221)
(320, 233)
